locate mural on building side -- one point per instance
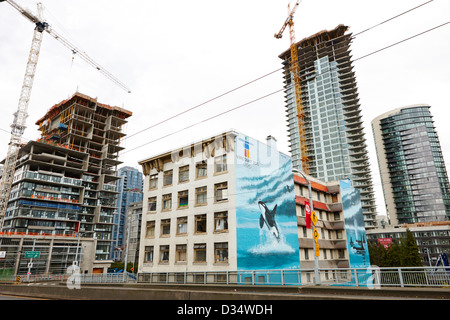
(266, 221)
(354, 226)
(358, 250)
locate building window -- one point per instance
(168, 176)
(200, 196)
(221, 221)
(201, 169)
(153, 181)
(148, 254)
(150, 229)
(183, 199)
(334, 198)
(221, 191)
(306, 251)
(200, 252)
(182, 225)
(180, 255)
(167, 201)
(220, 163)
(164, 254)
(165, 227)
(183, 174)
(221, 252)
(152, 204)
(304, 232)
(200, 223)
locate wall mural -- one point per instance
(356, 233)
(267, 236)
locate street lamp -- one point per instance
(316, 259)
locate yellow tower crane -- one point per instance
(19, 124)
(295, 72)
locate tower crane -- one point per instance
(295, 71)
(19, 123)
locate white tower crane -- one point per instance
(19, 124)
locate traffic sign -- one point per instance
(32, 254)
(317, 249)
(315, 235)
(314, 217)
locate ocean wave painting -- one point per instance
(267, 236)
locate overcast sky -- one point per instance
(175, 55)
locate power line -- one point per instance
(379, 24)
(245, 104)
(205, 120)
(259, 78)
(394, 44)
(203, 103)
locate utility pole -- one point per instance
(126, 251)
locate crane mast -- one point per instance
(19, 123)
(295, 73)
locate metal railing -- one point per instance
(373, 277)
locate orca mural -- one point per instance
(266, 221)
(356, 233)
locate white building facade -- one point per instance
(188, 220)
(225, 203)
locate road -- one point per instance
(9, 297)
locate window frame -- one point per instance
(200, 248)
(165, 228)
(166, 175)
(183, 194)
(201, 191)
(218, 216)
(221, 187)
(203, 219)
(166, 198)
(181, 174)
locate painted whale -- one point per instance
(268, 218)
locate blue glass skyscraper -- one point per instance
(412, 168)
(130, 188)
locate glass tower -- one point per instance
(412, 168)
(334, 134)
(130, 188)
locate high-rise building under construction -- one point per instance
(333, 130)
(65, 182)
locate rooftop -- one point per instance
(54, 110)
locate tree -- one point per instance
(393, 255)
(410, 254)
(401, 253)
(377, 253)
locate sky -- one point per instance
(175, 55)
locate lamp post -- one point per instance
(125, 273)
(316, 259)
